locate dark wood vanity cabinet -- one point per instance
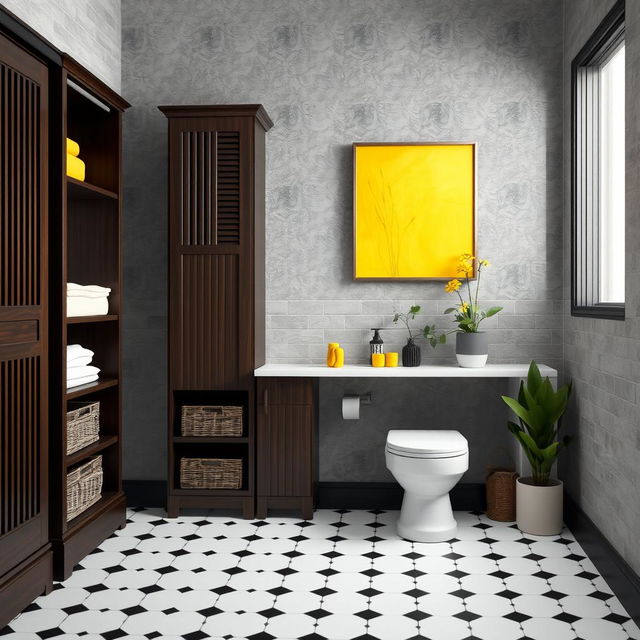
(25, 553)
(286, 445)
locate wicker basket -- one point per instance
(210, 473)
(501, 496)
(83, 425)
(211, 420)
(84, 487)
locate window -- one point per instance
(598, 172)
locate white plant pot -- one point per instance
(539, 509)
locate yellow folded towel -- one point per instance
(75, 167)
(73, 148)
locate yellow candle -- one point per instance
(391, 359)
(377, 359)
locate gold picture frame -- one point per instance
(414, 209)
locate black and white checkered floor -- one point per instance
(345, 575)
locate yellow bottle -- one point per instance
(339, 358)
(331, 353)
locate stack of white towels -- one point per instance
(87, 300)
(79, 369)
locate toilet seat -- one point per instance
(431, 444)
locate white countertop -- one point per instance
(424, 371)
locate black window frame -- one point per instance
(584, 147)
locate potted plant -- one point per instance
(411, 354)
(472, 345)
(539, 410)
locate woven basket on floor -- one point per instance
(211, 420)
(210, 473)
(501, 496)
(84, 487)
(83, 425)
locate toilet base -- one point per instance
(427, 519)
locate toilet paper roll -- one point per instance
(351, 407)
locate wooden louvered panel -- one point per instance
(210, 188)
(228, 188)
(20, 442)
(20, 180)
(208, 333)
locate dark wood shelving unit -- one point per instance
(216, 286)
(86, 249)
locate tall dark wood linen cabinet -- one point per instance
(86, 248)
(216, 291)
(25, 553)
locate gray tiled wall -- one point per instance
(88, 30)
(331, 72)
(603, 356)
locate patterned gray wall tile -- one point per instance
(89, 31)
(330, 73)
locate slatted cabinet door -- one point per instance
(25, 564)
(285, 445)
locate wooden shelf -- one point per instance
(89, 319)
(92, 387)
(80, 190)
(85, 516)
(209, 440)
(95, 447)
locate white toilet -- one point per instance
(427, 464)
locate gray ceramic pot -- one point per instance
(539, 509)
(472, 349)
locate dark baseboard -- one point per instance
(145, 493)
(388, 495)
(622, 579)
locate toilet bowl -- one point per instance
(427, 465)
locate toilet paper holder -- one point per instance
(351, 405)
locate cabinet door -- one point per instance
(285, 438)
(23, 305)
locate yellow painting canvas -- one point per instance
(414, 209)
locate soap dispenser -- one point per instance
(376, 344)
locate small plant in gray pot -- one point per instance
(411, 353)
(472, 345)
(539, 498)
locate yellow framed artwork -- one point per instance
(413, 209)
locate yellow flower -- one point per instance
(485, 263)
(452, 285)
(465, 265)
(464, 307)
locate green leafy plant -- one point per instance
(429, 332)
(539, 410)
(468, 314)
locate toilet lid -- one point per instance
(435, 443)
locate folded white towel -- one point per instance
(82, 306)
(81, 372)
(82, 361)
(87, 290)
(78, 381)
(75, 351)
